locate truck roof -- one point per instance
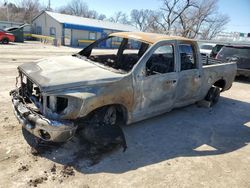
(150, 38)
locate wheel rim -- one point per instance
(5, 41)
(110, 116)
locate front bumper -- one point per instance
(40, 126)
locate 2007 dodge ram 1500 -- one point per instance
(138, 76)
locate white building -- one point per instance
(232, 37)
(74, 30)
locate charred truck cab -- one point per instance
(141, 75)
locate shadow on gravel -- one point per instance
(189, 131)
(8, 43)
(242, 79)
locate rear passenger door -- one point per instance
(189, 84)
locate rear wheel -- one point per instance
(5, 41)
(213, 95)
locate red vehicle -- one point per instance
(5, 37)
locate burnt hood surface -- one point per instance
(67, 71)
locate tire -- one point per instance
(104, 130)
(5, 41)
(213, 95)
(109, 115)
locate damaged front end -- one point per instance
(30, 108)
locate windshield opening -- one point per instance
(116, 52)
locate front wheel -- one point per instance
(106, 115)
(110, 115)
(5, 41)
(213, 95)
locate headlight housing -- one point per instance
(62, 106)
(57, 104)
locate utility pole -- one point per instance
(7, 10)
(49, 5)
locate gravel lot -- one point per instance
(188, 147)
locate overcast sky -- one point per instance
(237, 10)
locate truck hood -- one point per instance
(67, 72)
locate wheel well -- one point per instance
(220, 83)
(122, 112)
(5, 38)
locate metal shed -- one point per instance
(74, 30)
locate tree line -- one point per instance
(188, 18)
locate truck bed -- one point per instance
(218, 70)
(210, 61)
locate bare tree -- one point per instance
(119, 17)
(30, 9)
(145, 20)
(189, 18)
(141, 18)
(80, 8)
(214, 26)
(93, 14)
(171, 11)
(77, 8)
(102, 17)
(202, 19)
(25, 11)
(193, 19)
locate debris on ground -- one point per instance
(67, 171)
(96, 140)
(23, 168)
(37, 181)
(53, 174)
(53, 169)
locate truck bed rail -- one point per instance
(210, 61)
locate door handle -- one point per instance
(170, 82)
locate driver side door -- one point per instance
(156, 87)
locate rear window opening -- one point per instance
(116, 52)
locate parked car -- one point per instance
(240, 54)
(57, 95)
(5, 37)
(206, 49)
(216, 49)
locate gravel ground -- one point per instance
(188, 147)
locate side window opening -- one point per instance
(187, 57)
(161, 61)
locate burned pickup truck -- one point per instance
(138, 76)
